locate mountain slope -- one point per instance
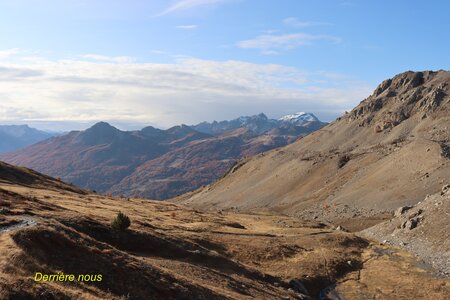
(13, 137)
(154, 163)
(102, 155)
(391, 150)
(196, 164)
(175, 252)
(29, 178)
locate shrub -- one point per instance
(121, 222)
(343, 160)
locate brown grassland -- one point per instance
(175, 252)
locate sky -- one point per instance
(66, 64)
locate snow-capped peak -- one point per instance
(300, 117)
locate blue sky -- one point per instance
(70, 63)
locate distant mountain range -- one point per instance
(301, 123)
(13, 137)
(155, 163)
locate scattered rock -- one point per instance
(235, 225)
(445, 150)
(343, 160)
(410, 224)
(421, 230)
(415, 214)
(401, 210)
(340, 228)
(445, 189)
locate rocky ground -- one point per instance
(423, 229)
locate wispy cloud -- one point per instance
(156, 51)
(115, 59)
(294, 22)
(187, 26)
(8, 52)
(189, 90)
(181, 5)
(273, 42)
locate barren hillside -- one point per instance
(390, 151)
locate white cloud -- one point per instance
(187, 26)
(188, 90)
(275, 42)
(294, 22)
(181, 5)
(8, 53)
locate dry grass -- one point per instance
(172, 252)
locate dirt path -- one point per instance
(25, 222)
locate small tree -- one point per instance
(121, 222)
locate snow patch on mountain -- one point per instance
(300, 117)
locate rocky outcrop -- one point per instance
(422, 230)
(406, 94)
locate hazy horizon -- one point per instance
(61, 127)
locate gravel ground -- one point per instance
(423, 230)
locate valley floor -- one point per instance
(175, 252)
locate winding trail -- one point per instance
(25, 222)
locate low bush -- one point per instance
(121, 222)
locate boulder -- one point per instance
(410, 224)
(401, 210)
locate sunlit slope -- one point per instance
(391, 150)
